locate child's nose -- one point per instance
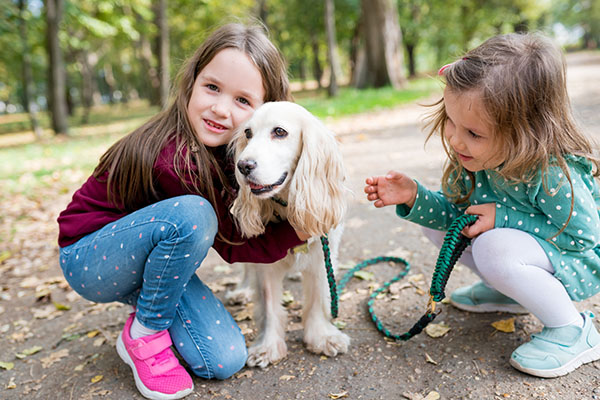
(455, 141)
(220, 107)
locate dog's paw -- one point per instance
(267, 352)
(330, 342)
(241, 296)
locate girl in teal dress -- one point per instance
(517, 160)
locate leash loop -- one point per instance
(452, 248)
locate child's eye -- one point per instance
(210, 86)
(473, 134)
(243, 101)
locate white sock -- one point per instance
(138, 330)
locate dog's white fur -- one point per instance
(314, 191)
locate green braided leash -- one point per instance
(452, 248)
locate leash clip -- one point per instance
(431, 305)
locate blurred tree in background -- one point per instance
(122, 51)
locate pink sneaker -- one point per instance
(157, 372)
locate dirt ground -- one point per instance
(56, 345)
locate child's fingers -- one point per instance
(391, 175)
(372, 196)
(370, 189)
(472, 230)
(371, 180)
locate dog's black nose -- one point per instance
(246, 166)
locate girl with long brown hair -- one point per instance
(142, 224)
(518, 161)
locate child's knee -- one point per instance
(223, 365)
(199, 214)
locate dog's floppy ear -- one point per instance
(317, 200)
(250, 213)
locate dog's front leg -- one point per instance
(320, 335)
(243, 292)
(270, 317)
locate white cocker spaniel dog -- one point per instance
(290, 167)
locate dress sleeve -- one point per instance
(431, 209)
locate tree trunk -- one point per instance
(163, 52)
(317, 69)
(89, 89)
(410, 52)
(383, 38)
(111, 82)
(27, 76)
(151, 90)
(57, 75)
(355, 51)
(332, 53)
(262, 12)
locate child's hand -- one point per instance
(486, 220)
(393, 188)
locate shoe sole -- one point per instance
(491, 307)
(587, 356)
(150, 394)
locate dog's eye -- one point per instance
(248, 133)
(279, 132)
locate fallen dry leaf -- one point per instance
(244, 374)
(505, 325)
(11, 384)
(338, 395)
(286, 377)
(61, 307)
(339, 324)
(54, 357)
(243, 315)
(28, 352)
(96, 378)
(7, 365)
(287, 297)
(433, 395)
(93, 333)
(437, 330)
(430, 360)
(364, 275)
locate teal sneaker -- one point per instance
(480, 299)
(557, 351)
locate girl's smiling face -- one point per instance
(226, 92)
(469, 133)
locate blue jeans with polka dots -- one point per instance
(148, 259)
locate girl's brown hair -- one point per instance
(130, 161)
(521, 79)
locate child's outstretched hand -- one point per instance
(486, 220)
(393, 188)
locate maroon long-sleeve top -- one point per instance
(90, 210)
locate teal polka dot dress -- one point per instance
(540, 208)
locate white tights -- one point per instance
(512, 262)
